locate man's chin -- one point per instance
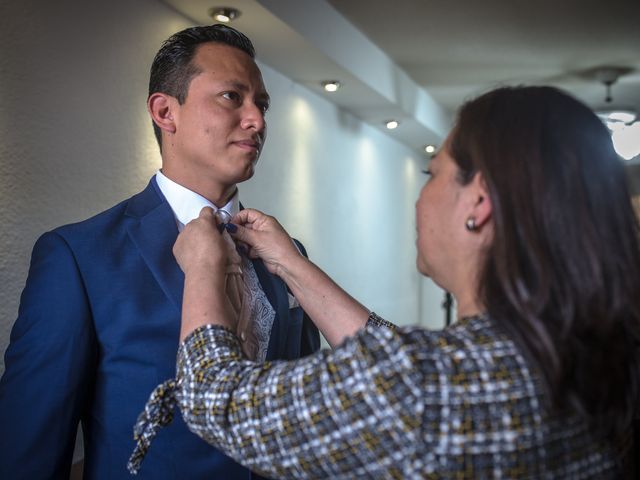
(243, 170)
(422, 268)
(246, 174)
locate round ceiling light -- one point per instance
(331, 85)
(224, 14)
(430, 148)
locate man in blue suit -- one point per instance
(99, 317)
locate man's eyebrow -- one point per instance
(237, 84)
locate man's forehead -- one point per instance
(215, 56)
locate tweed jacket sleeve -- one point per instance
(351, 411)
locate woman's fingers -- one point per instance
(248, 216)
(200, 243)
(206, 212)
(246, 236)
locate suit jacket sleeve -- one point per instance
(310, 339)
(48, 367)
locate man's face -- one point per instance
(220, 128)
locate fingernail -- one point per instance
(231, 228)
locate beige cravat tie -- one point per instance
(238, 294)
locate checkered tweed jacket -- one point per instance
(390, 402)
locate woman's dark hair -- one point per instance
(172, 68)
(562, 275)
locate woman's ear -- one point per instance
(482, 208)
(162, 109)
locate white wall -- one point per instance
(75, 139)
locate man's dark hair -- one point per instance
(172, 68)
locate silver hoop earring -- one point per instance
(470, 224)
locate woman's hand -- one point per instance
(264, 238)
(205, 257)
(200, 245)
(333, 310)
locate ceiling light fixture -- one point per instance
(391, 124)
(617, 116)
(224, 14)
(622, 121)
(331, 85)
(430, 148)
(611, 113)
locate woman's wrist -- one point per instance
(292, 268)
(206, 269)
(204, 299)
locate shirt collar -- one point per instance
(186, 204)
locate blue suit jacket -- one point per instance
(97, 330)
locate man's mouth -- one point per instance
(248, 145)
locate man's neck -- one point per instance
(225, 199)
(216, 193)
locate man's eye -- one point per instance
(263, 106)
(233, 96)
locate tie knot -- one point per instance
(223, 216)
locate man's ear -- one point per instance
(482, 208)
(162, 108)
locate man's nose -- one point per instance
(253, 117)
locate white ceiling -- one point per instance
(418, 60)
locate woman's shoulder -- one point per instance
(467, 335)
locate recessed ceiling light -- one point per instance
(331, 85)
(391, 124)
(224, 14)
(429, 148)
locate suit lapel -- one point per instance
(154, 231)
